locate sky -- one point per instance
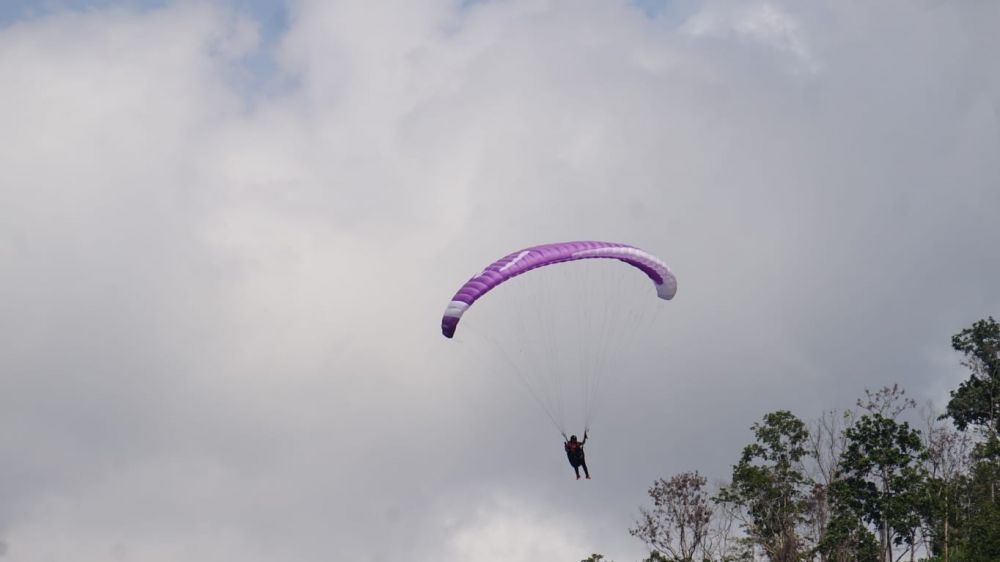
(228, 231)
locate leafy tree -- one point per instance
(975, 405)
(679, 521)
(847, 539)
(770, 485)
(947, 465)
(883, 478)
(980, 528)
(976, 402)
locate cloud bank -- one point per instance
(220, 282)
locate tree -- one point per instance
(679, 521)
(769, 484)
(947, 466)
(883, 478)
(976, 402)
(826, 445)
(888, 401)
(846, 538)
(981, 531)
(724, 543)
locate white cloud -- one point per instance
(763, 23)
(508, 530)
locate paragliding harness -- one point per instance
(574, 451)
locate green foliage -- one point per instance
(878, 484)
(976, 402)
(946, 487)
(942, 510)
(972, 511)
(847, 539)
(770, 485)
(882, 477)
(981, 529)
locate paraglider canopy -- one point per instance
(528, 259)
(564, 325)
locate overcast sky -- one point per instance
(228, 231)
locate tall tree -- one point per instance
(975, 405)
(769, 483)
(947, 466)
(981, 531)
(826, 445)
(724, 542)
(678, 524)
(883, 478)
(976, 402)
(846, 538)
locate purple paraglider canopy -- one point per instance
(525, 260)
